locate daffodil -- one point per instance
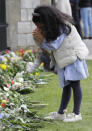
(37, 74)
(3, 66)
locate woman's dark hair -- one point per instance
(52, 19)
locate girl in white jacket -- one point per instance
(56, 34)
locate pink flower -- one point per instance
(7, 51)
(35, 51)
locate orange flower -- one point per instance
(12, 82)
(42, 64)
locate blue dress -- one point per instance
(73, 72)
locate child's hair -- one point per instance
(53, 21)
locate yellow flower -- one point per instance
(37, 74)
(19, 84)
(28, 51)
(4, 101)
(3, 66)
(42, 64)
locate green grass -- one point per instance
(51, 94)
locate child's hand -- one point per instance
(37, 35)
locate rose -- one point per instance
(12, 82)
(3, 104)
(21, 51)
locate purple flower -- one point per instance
(1, 57)
(1, 115)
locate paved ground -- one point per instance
(89, 45)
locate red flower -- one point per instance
(21, 51)
(7, 51)
(3, 105)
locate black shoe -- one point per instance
(90, 37)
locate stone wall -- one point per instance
(25, 25)
(19, 18)
(12, 18)
(45, 2)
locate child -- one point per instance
(56, 34)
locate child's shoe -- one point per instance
(73, 117)
(56, 116)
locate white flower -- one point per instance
(29, 66)
(17, 84)
(20, 80)
(24, 107)
(6, 89)
(13, 54)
